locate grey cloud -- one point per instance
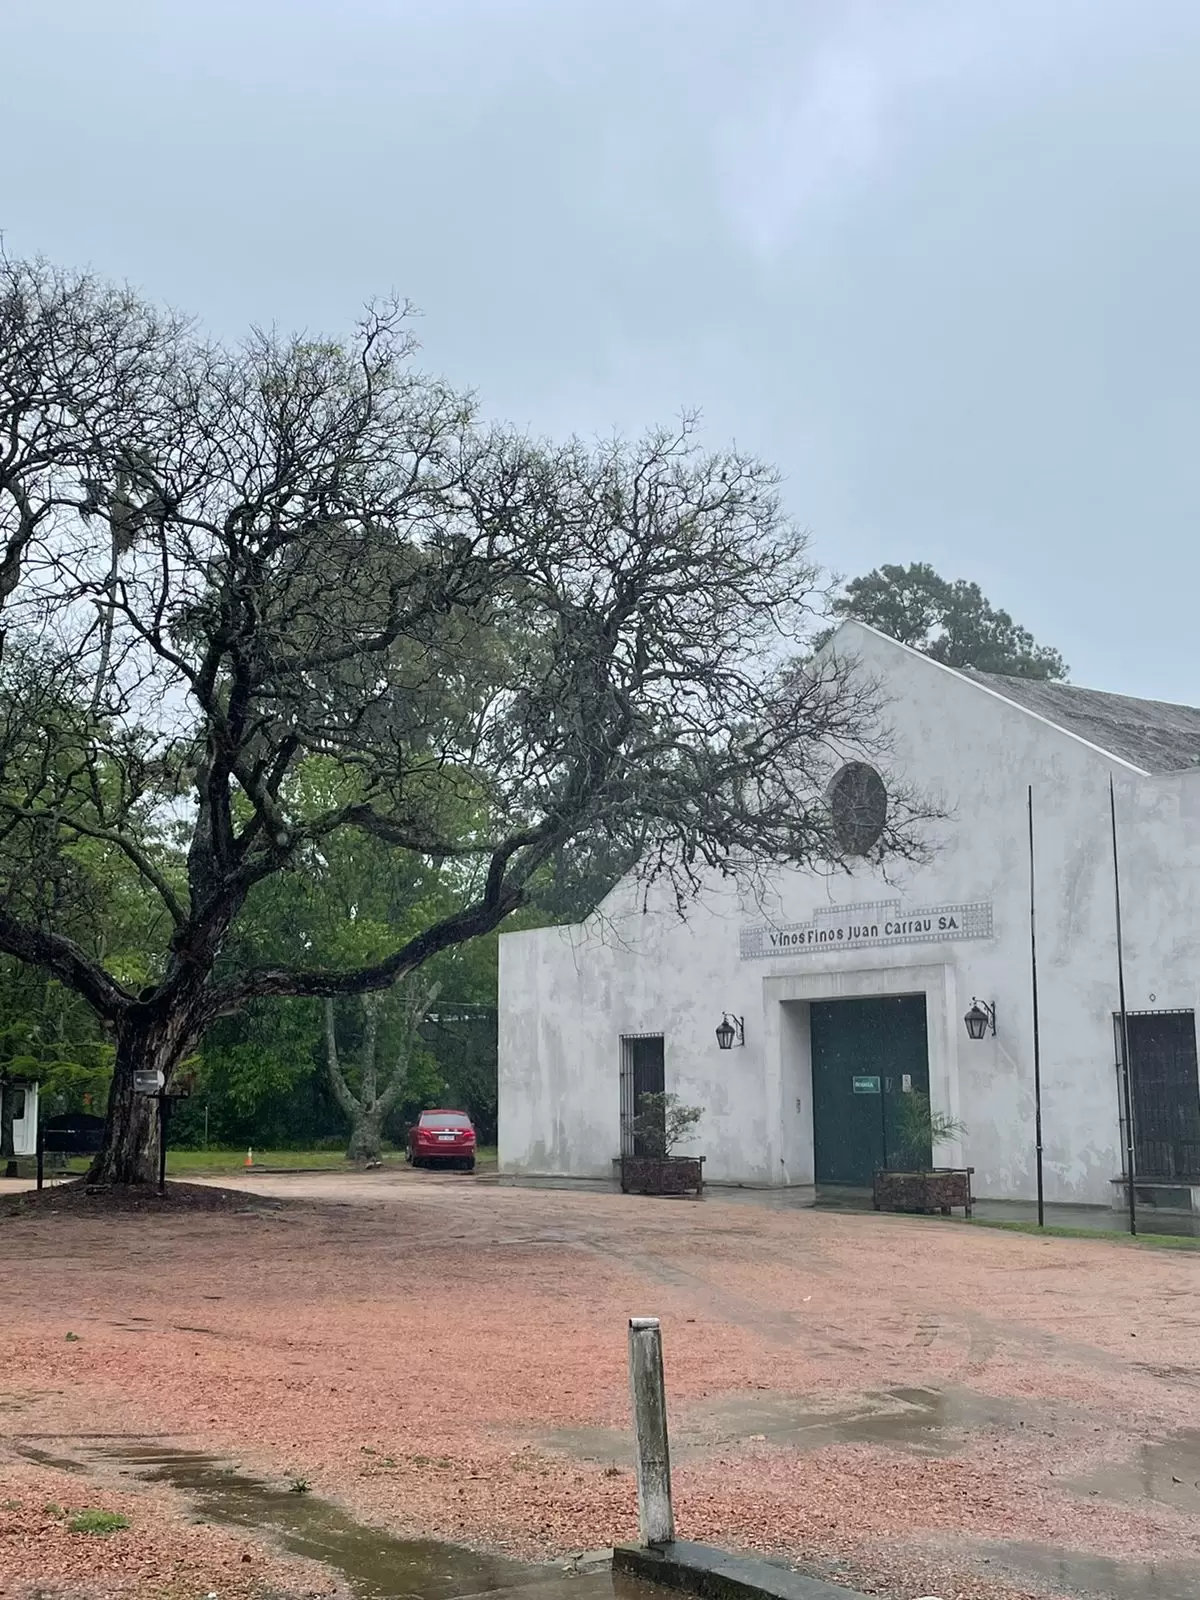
(936, 259)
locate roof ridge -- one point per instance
(1168, 743)
(1057, 684)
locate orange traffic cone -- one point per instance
(249, 1161)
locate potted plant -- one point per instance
(653, 1167)
(917, 1185)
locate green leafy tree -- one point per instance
(265, 1073)
(489, 647)
(48, 1033)
(952, 622)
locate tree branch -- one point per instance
(120, 841)
(63, 958)
(419, 1000)
(482, 917)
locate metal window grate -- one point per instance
(642, 1072)
(1164, 1081)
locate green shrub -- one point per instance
(663, 1121)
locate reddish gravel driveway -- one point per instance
(921, 1407)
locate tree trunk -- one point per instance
(6, 1129)
(370, 1005)
(367, 1110)
(366, 1135)
(129, 1153)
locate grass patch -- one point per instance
(198, 1163)
(226, 1163)
(223, 1163)
(209, 1163)
(100, 1522)
(1157, 1241)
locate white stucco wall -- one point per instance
(568, 995)
(24, 1128)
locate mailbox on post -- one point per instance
(155, 1083)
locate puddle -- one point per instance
(46, 1458)
(1084, 1575)
(921, 1420)
(1167, 1471)
(374, 1565)
(914, 1419)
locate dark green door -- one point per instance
(866, 1054)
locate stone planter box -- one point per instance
(662, 1174)
(934, 1189)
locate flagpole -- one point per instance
(1129, 1173)
(1037, 1041)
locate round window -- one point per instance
(858, 807)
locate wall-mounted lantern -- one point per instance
(731, 1031)
(980, 1018)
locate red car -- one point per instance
(442, 1136)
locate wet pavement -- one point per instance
(1101, 1219)
(1068, 1572)
(803, 1197)
(1094, 1219)
(925, 1421)
(376, 1566)
(373, 1564)
(1166, 1472)
(935, 1422)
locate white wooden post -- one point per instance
(646, 1385)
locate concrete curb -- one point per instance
(716, 1575)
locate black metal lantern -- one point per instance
(980, 1018)
(731, 1031)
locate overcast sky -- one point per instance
(938, 259)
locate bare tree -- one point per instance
(379, 1091)
(79, 367)
(483, 646)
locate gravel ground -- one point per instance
(160, 1553)
(447, 1358)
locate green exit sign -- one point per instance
(866, 1085)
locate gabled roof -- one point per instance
(1153, 734)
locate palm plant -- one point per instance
(921, 1129)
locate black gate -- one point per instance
(1165, 1087)
(642, 1072)
(75, 1133)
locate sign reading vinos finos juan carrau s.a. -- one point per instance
(880, 922)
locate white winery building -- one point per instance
(850, 990)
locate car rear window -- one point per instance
(444, 1119)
